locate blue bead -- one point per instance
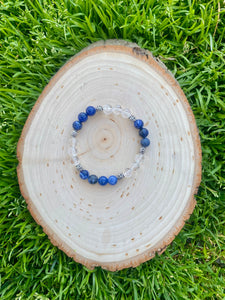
(82, 117)
(138, 124)
(143, 132)
(145, 142)
(84, 174)
(92, 179)
(103, 180)
(77, 125)
(112, 180)
(90, 110)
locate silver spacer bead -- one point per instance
(99, 108)
(142, 150)
(74, 133)
(132, 118)
(79, 168)
(120, 176)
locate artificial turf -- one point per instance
(36, 39)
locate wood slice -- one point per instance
(120, 226)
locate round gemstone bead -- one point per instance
(76, 160)
(82, 117)
(73, 149)
(107, 109)
(127, 173)
(138, 124)
(143, 132)
(112, 180)
(90, 110)
(117, 110)
(103, 180)
(77, 125)
(92, 179)
(139, 157)
(126, 113)
(145, 142)
(74, 141)
(74, 152)
(135, 166)
(84, 174)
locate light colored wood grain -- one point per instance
(113, 226)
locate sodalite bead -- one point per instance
(143, 132)
(82, 117)
(84, 174)
(92, 179)
(145, 142)
(90, 110)
(112, 180)
(138, 124)
(103, 180)
(77, 125)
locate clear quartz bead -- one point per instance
(135, 166)
(127, 173)
(139, 157)
(107, 109)
(73, 143)
(73, 147)
(126, 113)
(117, 110)
(76, 160)
(74, 152)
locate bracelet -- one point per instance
(108, 109)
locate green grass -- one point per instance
(36, 39)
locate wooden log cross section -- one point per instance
(120, 226)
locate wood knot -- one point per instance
(140, 51)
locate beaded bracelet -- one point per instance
(108, 109)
